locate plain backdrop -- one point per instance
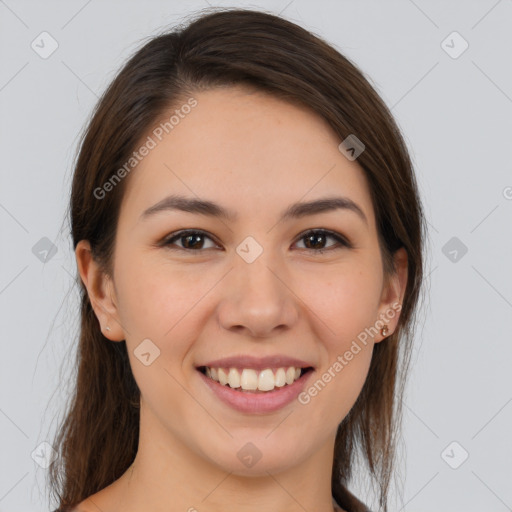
(444, 68)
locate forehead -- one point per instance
(246, 150)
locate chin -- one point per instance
(256, 458)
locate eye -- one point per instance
(315, 240)
(192, 240)
(317, 237)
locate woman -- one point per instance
(249, 235)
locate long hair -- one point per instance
(97, 439)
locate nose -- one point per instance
(258, 299)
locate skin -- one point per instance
(249, 152)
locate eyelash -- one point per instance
(342, 242)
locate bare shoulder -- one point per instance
(89, 505)
(105, 500)
(85, 506)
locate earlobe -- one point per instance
(99, 290)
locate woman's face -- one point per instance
(252, 284)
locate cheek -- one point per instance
(155, 296)
(345, 300)
(158, 303)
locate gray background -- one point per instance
(456, 114)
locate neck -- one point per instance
(168, 476)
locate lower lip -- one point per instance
(255, 403)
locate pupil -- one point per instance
(314, 236)
(189, 238)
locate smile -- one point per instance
(250, 380)
(241, 389)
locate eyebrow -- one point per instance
(212, 209)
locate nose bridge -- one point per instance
(255, 269)
(256, 297)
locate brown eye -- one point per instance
(315, 240)
(192, 241)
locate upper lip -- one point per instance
(257, 363)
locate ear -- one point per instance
(101, 292)
(392, 295)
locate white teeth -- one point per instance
(266, 380)
(233, 378)
(280, 378)
(249, 380)
(252, 380)
(223, 377)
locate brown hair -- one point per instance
(98, 438)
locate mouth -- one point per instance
(256, 391)
(255, 381)
(256, 385)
